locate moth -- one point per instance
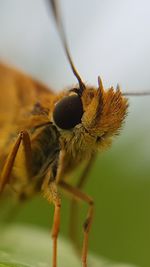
(45, 136)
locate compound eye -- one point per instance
(68, 112)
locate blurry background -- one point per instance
(111, 39)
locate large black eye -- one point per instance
(68, 112)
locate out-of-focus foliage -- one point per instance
(30, 247)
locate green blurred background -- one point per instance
(119, 181)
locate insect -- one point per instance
(45, 136)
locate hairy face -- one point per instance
(90, 119)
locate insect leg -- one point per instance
(74, 204)
(6, 171)
(51, 194)
(78, 195)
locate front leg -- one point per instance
(74, 214)
(8, 166)
(50, 192)
(78, 195)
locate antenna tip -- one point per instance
(100, 84)
(118, 87)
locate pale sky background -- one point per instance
(110, 38)
(106, 38)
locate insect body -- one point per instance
(44, 136)
(81, 124)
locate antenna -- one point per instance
(136, 94)
(133, 93)
(58, 20)
(57, 17)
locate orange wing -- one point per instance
(18, 89)
(18, 92)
